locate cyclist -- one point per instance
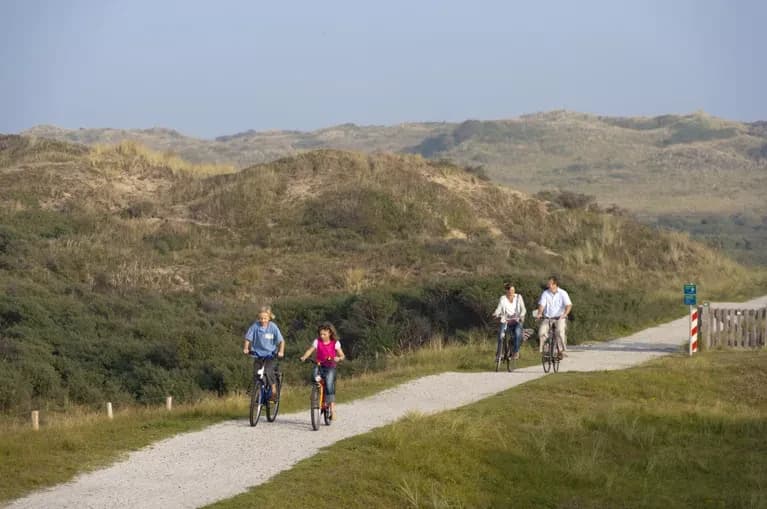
(554, 304)
(264, 340)
(329, 354)
(511, 313)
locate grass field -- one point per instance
(677, 432)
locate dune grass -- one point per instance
(677, 432)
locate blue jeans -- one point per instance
(329, 375)
(516, 329)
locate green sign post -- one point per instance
(690, 294)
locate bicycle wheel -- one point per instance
(326, 415)
(555, 364)
(256, 402)
(272, 407)
(546, 357)
(314, 406)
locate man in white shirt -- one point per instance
(511, 312)
(554, 304)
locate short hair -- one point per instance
(508, 284)
(554, 280)
(328, 327)
(267, 310)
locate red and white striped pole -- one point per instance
(693, 329)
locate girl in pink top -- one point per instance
(329, 354)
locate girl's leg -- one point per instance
(330, 388)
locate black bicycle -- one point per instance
(261, 392)
(551, 354)
(507, 355)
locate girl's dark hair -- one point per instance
(328, 327)
(507, 285)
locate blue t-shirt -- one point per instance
(264, 340)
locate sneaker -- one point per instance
(516, 356)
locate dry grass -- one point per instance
(128, 156)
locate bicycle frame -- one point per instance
(551, 345)
(262, 392)
(322, 408)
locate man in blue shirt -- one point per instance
(264, 340)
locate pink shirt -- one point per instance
(325, 350)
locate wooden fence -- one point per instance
(733, 328)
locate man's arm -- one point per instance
(246, 347)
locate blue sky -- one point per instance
(213, 68)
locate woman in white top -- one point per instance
(511, 313)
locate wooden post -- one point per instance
(110, 415)
(169, 403)
(35, 420)
(764, 328)
(702, 328)
(716, 327)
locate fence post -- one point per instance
(763, 343)
(35, 420)
(764, 328)
(693, 329)
(169, 403)
(110, 415)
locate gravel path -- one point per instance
(195, 469)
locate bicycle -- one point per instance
(551, 355)
(507, 355)
(261, 393)
(318, 406)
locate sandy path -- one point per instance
(194, 469)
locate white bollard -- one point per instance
(35, 420)
(109, 411)
(169, 403)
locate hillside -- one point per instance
(692, 173)
(129, 274)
